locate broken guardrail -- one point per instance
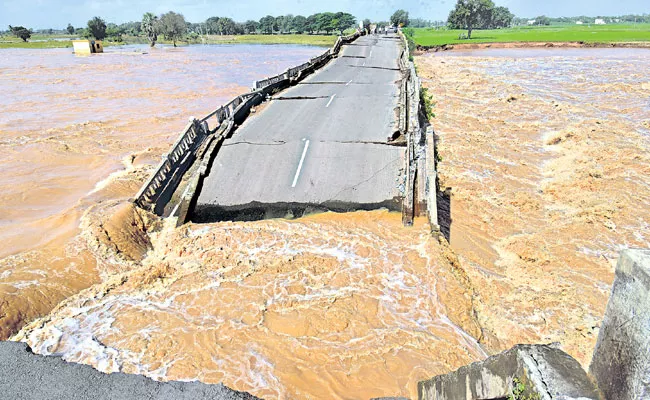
(193, 141)
(420, 184)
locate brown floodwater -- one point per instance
(77, 131)
(328, 306)
(547, 154)
(548, 158)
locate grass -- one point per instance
(314, 40)
(560, 33)
(60, 41)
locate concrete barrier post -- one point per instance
(621, 361)
(523, 372)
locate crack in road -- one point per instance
(393, 144)
(301, 98)
(363, 181)
(353, 57)
(385, 68)
(273, 143)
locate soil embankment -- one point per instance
(531, 45)
(548, 157)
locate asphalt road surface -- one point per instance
(26, 376)
(320, 145)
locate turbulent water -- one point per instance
(76, 131)
(547, 154)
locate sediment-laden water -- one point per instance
(76, 131)
(547, 152)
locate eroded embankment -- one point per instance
(547, 155)
(328, 306)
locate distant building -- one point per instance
(599, 21)
(531, 22)
(85, 47)
(578, 22)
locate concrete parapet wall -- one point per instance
(538, 371)
(24, 375)
(420, 186)
(621, 361)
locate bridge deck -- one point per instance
(318, 145)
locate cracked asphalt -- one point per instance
(321, 144)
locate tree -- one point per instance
(211, 25)
(324, 22)
(366, 24)
(226, 26)
(299, 24)
(400, 18)
(114, 32)
(70, 29)
(312, 22)
(173, 26)
(251, 26)
(21, 32)
(267, 24)
(343, 21)
(468, 14)
(543, 20)
(150, 27)
(501, 17)
(97, 28)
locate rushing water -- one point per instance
(332, 305)
(548, 155)
(76, 131)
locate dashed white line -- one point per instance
(330, 102)
(302, 159)
(348, 84)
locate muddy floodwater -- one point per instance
(546, 154)
(76, 131)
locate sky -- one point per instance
(41, 14)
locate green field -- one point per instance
(566, 33)
(49, 42)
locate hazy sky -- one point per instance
(58, 13)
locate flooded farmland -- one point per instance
(77, 131)
(547, 155)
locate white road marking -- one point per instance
(348, 84)
(370, 55)
(302, 159)
(330, 102)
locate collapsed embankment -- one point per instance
(332, 305)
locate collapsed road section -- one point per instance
(324, 144)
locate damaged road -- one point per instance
(324, 144)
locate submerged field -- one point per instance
(64, 41)
(568, 33)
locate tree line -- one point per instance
(173, 26)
